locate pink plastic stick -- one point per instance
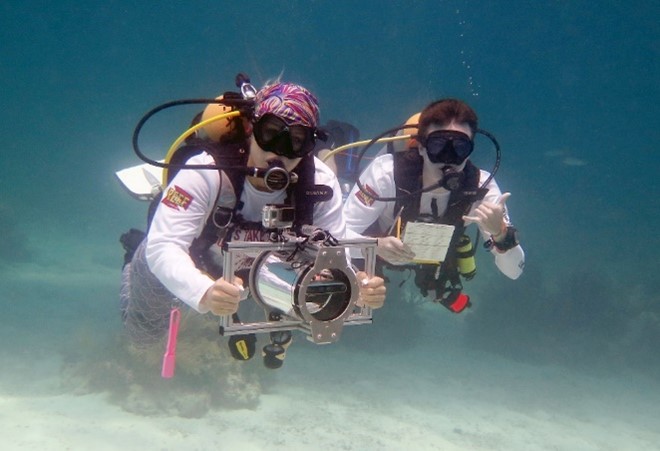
(169, 359)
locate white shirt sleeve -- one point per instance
(511, 262)
(179, 219)
(360, 210)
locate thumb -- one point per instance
(503, 198)
(392, 242)
(362, 279)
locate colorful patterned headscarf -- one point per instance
(292, 103)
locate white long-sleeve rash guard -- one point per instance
(360, 211)
(189, 200)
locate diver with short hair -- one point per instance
(432, 180)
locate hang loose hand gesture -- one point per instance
(490, 217)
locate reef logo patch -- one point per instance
(177, 198)
(366, 198)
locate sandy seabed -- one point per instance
(434, 395)
(333, 399)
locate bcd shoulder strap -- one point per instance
(306, 193)
(408, 167)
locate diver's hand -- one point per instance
(223, 297)
(394, 250)
(372, 291)
(490, 217)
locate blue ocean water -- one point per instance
(570, 89)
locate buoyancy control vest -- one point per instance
(225, 217)
(445, 278)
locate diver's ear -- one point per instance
(321, 134)
(248, 127)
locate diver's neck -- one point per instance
(258, 183)
(432, 176)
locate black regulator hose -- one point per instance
(390, 132)
(498, 156)
(241, 104)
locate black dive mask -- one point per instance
(289, 141)
(448, 147)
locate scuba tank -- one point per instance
(465, 258)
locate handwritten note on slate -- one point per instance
(429, 242)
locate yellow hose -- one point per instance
(175, 145)
(363, 143)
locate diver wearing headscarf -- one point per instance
(281, 134)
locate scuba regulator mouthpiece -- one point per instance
(452, 178)
(276, 177)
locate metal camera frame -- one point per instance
(327, 257)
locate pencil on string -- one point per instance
(396, 223)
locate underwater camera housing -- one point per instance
(304, 283)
